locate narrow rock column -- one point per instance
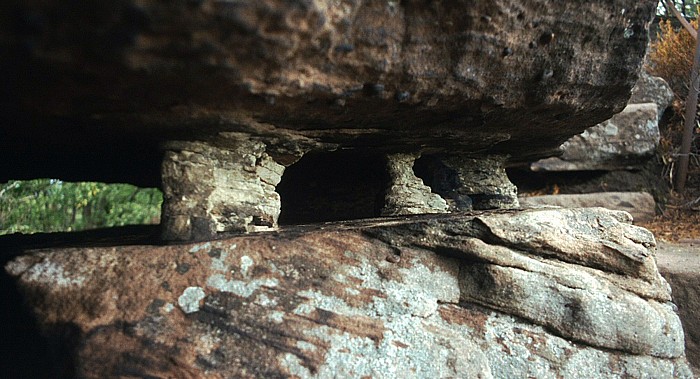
(475, 183)
(406, 193)
(227, 186)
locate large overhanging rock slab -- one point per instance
(89, 85)
(420, 296)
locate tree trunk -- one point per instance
(691, 103)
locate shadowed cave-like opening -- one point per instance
(333, 186)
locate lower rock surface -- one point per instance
(543, 293)
(680, 265)
(641, 205)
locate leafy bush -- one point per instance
(47, 205)
(671, 56)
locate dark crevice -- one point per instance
(26, 351)
(334, 186)
(441, 179)
(543, 181)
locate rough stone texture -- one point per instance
(640, 205)
(625, 141)
(652, 89)
(470, 183)
(90, 89)
(209, 189)
(507, 294)
(680, 265)
(406, 193)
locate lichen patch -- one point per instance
(190, 299)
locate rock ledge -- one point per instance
(543, 293)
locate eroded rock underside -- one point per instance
(506, 294)
(212, 101)
(93, 85)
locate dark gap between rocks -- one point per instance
(440, 178)
(529, 181)
(333, 186)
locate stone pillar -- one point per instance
(406, 193)
(474, 183)
(220, 186)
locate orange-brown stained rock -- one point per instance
(321, 303)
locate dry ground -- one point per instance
(680, 219)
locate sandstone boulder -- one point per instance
(91, 90)
(640, 205)
(626, 141)
(652, 89)
(502, 294)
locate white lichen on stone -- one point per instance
(190, 298)
(207, 343)
(276, 316)
(293, 365)
(168, 307)
(338, 277)
(317, 299)
(414, 334)
(418, 293)
(50, 272)
(199, 247)
(246, 264)
(239, 287)
(219, 264)
(265, 301)
(411, 347)
(303, 309)
(274, 269)
(304, 345)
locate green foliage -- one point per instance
(688, 8)
(48, 205)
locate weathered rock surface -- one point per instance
(91, 89)
(680, 266)
(507, 294)
(407, 194)
(229, 186)
(617, 155)
(468, 183)
(652, 89)
(640, 205)
(209, 189)
(625, 141)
